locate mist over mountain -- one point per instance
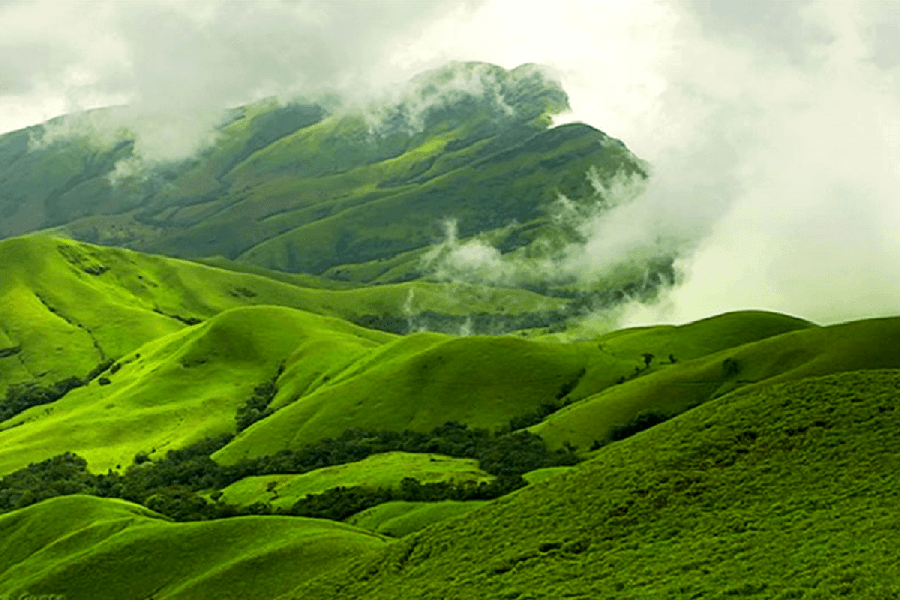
(359, 192)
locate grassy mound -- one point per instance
(84, 548)
(781, 491)
(672, 389)
(479, 381)
(400, 518)
(176, 390)
(380, 470)
(421, 381)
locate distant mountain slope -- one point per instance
(311, 187)
(84, 548)
(781, 491)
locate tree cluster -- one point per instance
(170, 485)
(256, 407)
(22, 396)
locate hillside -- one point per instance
(381, 470)
(67, 307)
(316, 185)
(95, 549)
(782, 491)
(671, 389)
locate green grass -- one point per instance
(84, 548)
(380, 470)
(70, 305)
(780, 491)
(421, 381)
(480, 381)
(671, 389)
(178, 389)
(401, 518)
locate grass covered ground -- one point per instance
(779, 491)
(176, 390)
(67, 306)
(670, 389)
(85, 548)
(401, 518)
(380, 470)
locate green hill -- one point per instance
(67, 306)
(400, 518)
(176, 390)
(479, 381)
(419, 382)
(672, 389)
(380, 470)
(314, 186)
(780, 491)
(84, 548)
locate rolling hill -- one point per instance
(261, 333)
(672, 389)
(780, 491)
(91, 548)
(69, 306)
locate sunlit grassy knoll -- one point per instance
(400, 518)
(480, 381)
(85, 548)
(421, 381)
(778, 491)
(178, 389)
(542, 474)
(868, 344)
(380, 470)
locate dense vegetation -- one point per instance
(22, 396)
(170, 486)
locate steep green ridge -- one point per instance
(175, 390)
(781, 491)
(311, 186)
(401, 518)
(88, 548)
(381, 470)
(671, 389)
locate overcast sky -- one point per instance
(773, 127)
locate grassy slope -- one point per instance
(401, 518)
(784, 491)
(178, 389)
(422, 381)
(381, 470)
(85, 548)
(67, 320)
(480, 381)
(869, 344)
